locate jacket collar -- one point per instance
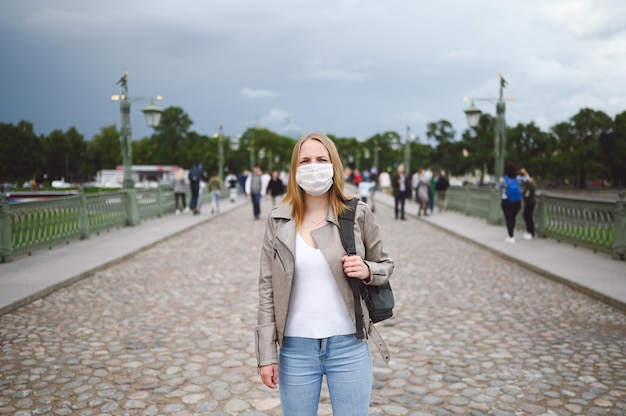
(284, 211)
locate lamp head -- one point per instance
(473, 115)
(152, 113)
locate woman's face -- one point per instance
(313, 151)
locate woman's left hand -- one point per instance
(354, 266)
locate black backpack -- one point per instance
(379, 299)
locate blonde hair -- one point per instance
(295, 194)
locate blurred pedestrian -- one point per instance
(231, 183)
(180, 191)
(275, 187)
(431, 192)
(441, 187)
(215, 190)
(422, 192)
(384, 181)
(529, 187)
(400, 186)
(196, 175)
(373, 189)
(306, 329)
(242, 177)
(511, 203)
(255, 189)
(365, 187)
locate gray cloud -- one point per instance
(349, 67)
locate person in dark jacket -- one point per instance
(196, 174)
(400, 186)
(275, 187)
(441, 186)
(528, 197)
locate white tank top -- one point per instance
(316, 308)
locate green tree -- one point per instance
(144, 152)
(388, 148)
(21, 156)
(105, 150)
(422, 156)
(589, 126)
(170, 136)
(443, 134)
(563, 157)
(350, 151)
(457, 154)
(529, 147)
(66, 156)
(613, 147)
(267, 145)
(480, 146)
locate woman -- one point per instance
(511, 203)
(180, 189)
(422, 192)
(529, 189)
(306, 306)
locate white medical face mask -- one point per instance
(315, 178)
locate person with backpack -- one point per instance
(529, 189)
(511, 203)
(307, 307)
(195, 176)
(441, 186)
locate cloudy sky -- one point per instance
(352, 68)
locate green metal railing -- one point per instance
(599, 225)
(30, 226)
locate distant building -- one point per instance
(292, 130)
(143, 176)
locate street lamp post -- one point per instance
(473, 114)
(407, 151)
(152, 115)
(220, 154)
(376, 155)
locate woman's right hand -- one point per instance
(269, 375)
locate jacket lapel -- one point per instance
(285, 230)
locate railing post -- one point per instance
(83, 220)
(542, 216)
(6, 246)
(132, 209)
(618, 251)
(494, 214)
(159, 201)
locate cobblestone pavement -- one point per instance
(169, 332)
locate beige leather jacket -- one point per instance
(277, 268)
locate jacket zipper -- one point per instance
(280, 259)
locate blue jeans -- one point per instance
(347, 364)
(400, 199)
(195, 192)
(256, 205)
(215, 200)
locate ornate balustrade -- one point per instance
(29, 226)
(599, 225)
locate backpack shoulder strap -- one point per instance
(346, 231)
(346, 226)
